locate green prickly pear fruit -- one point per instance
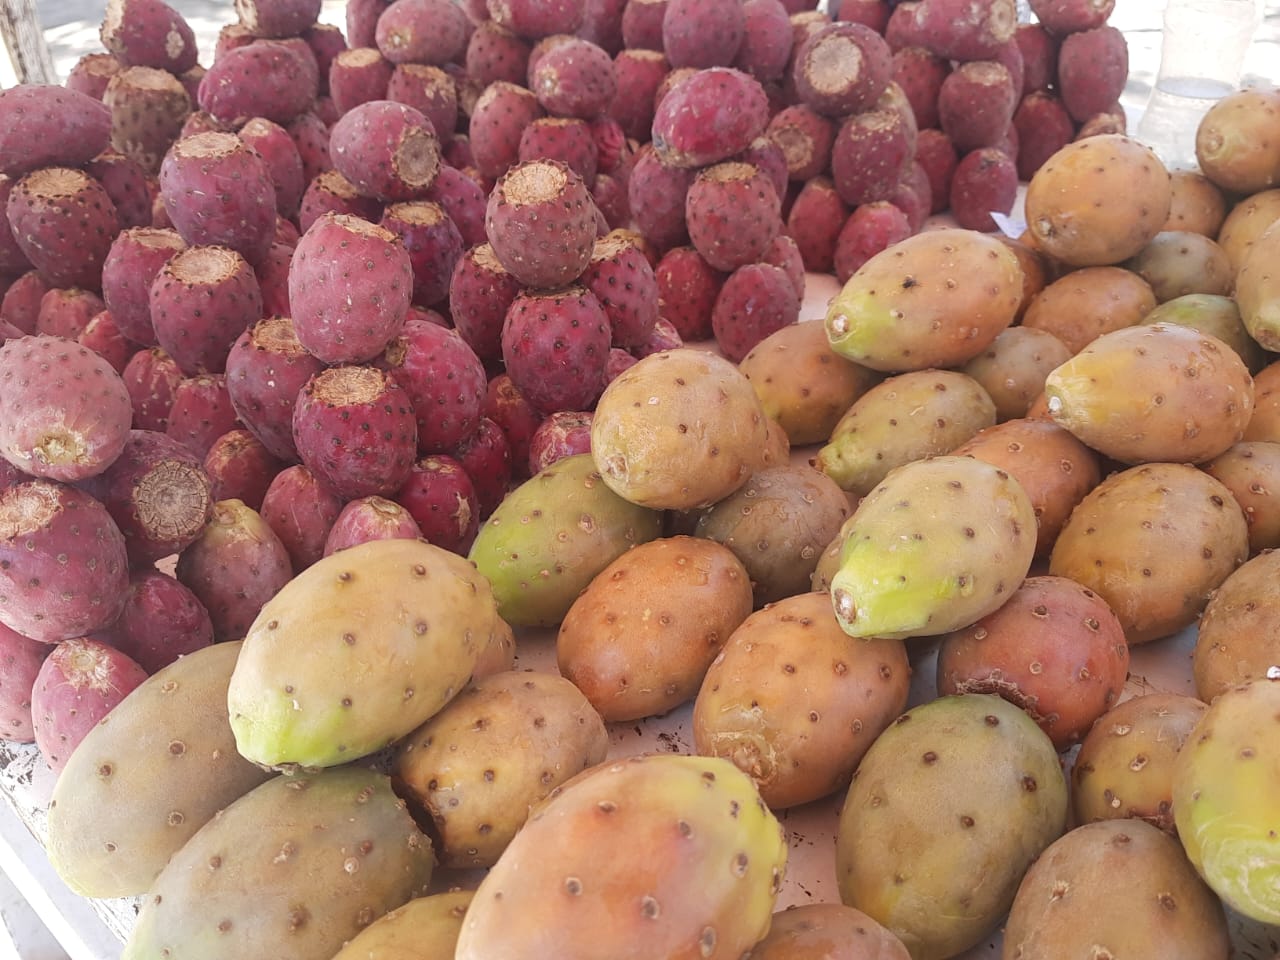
(938, 544)
(947, 810)
(147, 777)
(423, 929)
(653, 856)
(551, 535)
(356, 651)
(294, 868)
(1225, 783)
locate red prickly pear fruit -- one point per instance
(985, 181)
(497, 121)
(162, 620)
(370, 518)
(64, 412)
(567, 139)
(619, 360)
(535, 19)
(66, 311)
(871, 227)
(703, 33)
(541, 223)
(1039, 50)
(273, 280)
(149, 111)
(1044, 127)
(656, 195)
(361, 20)
(91, 73)
(63, 221)
(349, 286)
(914, 196)
(429, 90)
(301, 511)
(805, 138)
(423, 31)
(464, 200)
(157, 493)
(642, 24)
(486, 457)
(202, 299)
(20, 662)
(638, 74)
(1061, 17)
(358, 76)
(200, 122)
(687, 291)
(602, 24)
(148, 33)
(443, 379)
(709, 117)
(80, 682)
(20, 305)
(311, 136)
(355, 428)
(441, 498)
(755, 301)
(433, 243)
(920, 74)
(277, 18)
(237, 564)
(266, 78)
(515, 415)
(45, 125)
(217, 191)
(1093, 66)
(611, 200)
(937, 155)
(574, 79)
(240, 467)
(12, 259)
(284, 162)
(766, 41)
(63, 565)
(871, 153)
(201, 412)
(131, 188)
(976, 104)
(266, 367)
(768, 157)
(102, 335)
(964, 30)
(480, 293)
(842, 69)
(495, 53)
(388, 150)
(785, 255)
(331, 192)
(151, 377)
(555, 344)
(733, 214)
(664, 337)
(563, 434)
(620, 277)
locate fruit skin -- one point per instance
(656, 192)
(497, 121)
(46, 125)
(300, 511)
(709, 117)
(535, 19)
(66, 312)
(842, 69)
(1013, 369)
(427, 925)
(814, 222)
(351, 852)
(809, 930)
(358, 75)
(267, 78)
(278, 18)
(265, 369)
(423, 31)
(733, 214)
(283, 160)
(132, 262)
(150, 378)
(419, 612)
(541, 223)
(370, 518)
(201, 412)
(960, 31)
(63, 220)
(720, 872)
(871, 154)
(443, 379)
(20, 662)
(1234, 145)
(687, 290)
(442, 500)
(150, 109)
(564, 520)
(148, 33)
(755, 301)
(240, 467)
(703, 33)
(868, 230)
(624, 282)
(480, 292)
(161, 621)
(555, 344)
(486, 458)
(1093, 66)
(434, 245)
(574, 78)
(388, 150)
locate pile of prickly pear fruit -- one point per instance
(347, 373)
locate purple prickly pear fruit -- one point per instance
(733, 214)
(331, 192)
(914, 196)
(21, 302)
(217, 191)
(495, 53)
(300, 510)
(842, 69)
(664, 337)
(805, 138)
(240, 467)
(102, 335)
(515, 415)
(497, 121)
(464, 200)
(264, 79)
(149, 110)
(284, 162)
(620, 277)
(310, 135)
(63, 221)
(202, 299)
(150, 377)
(200, 122)
(66, 311)
(63, 565)
(871, 154)
(555, 344)
(871, 228)
(1039, 49)
(79, 683)
(148, 33)
(1093, 66)
(237, 564)
(610, 196)
(756, 300)
(131, 188)
(355, 428)
(350, 284)
(709, 117)
(91, 73)
(656, 194)
(370, 518)
(387, 150)
(273, 280)
(638, 74)
(574, 79)
(567, 139)
(45, 125)
(562, 434)
(616, 152)
(535, 19)
(703, 33)
(443, 379)
(480, 293)
(434, 244)
(441, 498)
(266, 368)
(423, 31)
(64, 412)
(357, 76)
(157, 493)
(20, 662)
(486, 457)
(201, 412)
(162, 620)
(429, 90)
(277, 18)
(687, 291)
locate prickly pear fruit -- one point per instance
(300, 510)
(162, 620)
(296, 866)
(809, 932)
(47, 125)
(709, 117)
(366, 680)
(541, 223)
(423, 927)
(703, 863)
(1236, 639)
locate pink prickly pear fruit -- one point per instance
(920, 74)
(541, 223)
(495, 53)
(201, 412)
(805, 138)
(480, 292)
(871, 154)
(361, 20)
(535, 19)
(277, 18)
(21, 302)
(1061, 17)
(709, 117)
(20, 662)
(642, 24)
(387, 150)
(149, 111)
(237, 564)
(370, 518)
(871, 228)
(755, 301)
(703, 33)
(132, 262)
(464, 200)
(622, 280)
(497, 121)
(202, 299)
(443, 379)
(45, 125)
(150, 377)
(64, 412)
(656, 195)
(326, 41)
(311, 136)
(429, 90)
(766, 46)
(63, 220)
(1039, 49)
(985, 181)
(434, 245)
(266, 78)
(842, 69)
(664, 337)
(638, 74)
(619, 360)
(157, 493)
(562, 434)
(555, 344)
(266, 367)
(357, 76)
(567, 139)
(91, 73)
(66, 311)
(102, 335)
(241, 468)
(687, 291)
(423, 31)
(273, 280)
(515, 415)
(355, 428)
(331, 192)
(769, 159)
(80, 682)
(574, 79)
(486, 457)
(441, 498)
(12, 259)
(148, 33)
(937, 155)
(733, 214)
(914, 196)
(301, 511)
(63, 564)
(284, 162)
(217, 191)
(350, 283)
(162, 620)
(961, 30)
(976, 104)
